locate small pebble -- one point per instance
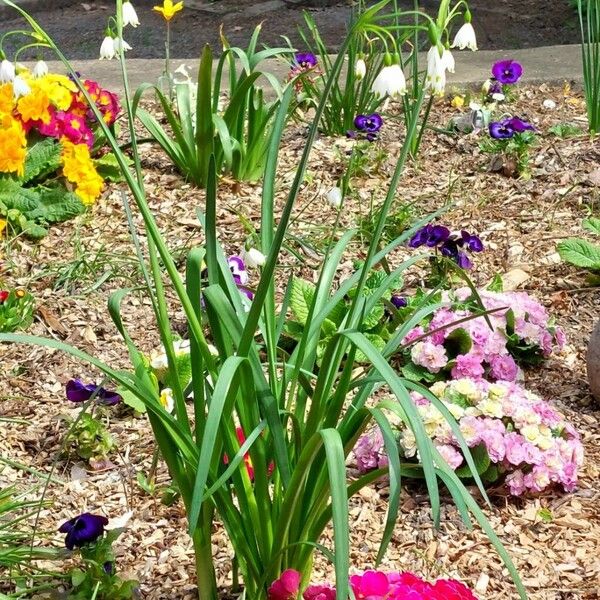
(549, 104)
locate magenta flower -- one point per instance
(82, 530)
(77, 391)
(286, 587)
(450, 589)
(319, 592)
(507, 71)
(371, 585)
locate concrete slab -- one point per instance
(551, 64)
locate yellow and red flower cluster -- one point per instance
(54, 107)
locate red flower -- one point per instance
(450, 589)
(286, 587)
(3, 296)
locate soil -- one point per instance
(554, 537)
(79, 29)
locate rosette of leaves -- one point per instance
(38, 199)
(582, 253)
(91, 440)
(16, 312)
(374, 325)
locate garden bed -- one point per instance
(554, 538)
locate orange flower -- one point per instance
(35, 107)
(14, 146)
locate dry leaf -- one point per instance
(51, 320)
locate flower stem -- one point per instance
(205, 571)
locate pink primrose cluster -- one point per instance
(525, 438)
(490, 354)
(373, 585)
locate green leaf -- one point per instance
(374, 317)
(301, 298)
(458, 342)
(496, 285)
(77, 577)
(376, 340)
(417, 373)
(482, 462)
(131, 399)
(580, 253)
(58, 205)
(108, 167)
(12, 195)
(592, 224)
(43, 159)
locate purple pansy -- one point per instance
(305, 60)
(82, 530)
(399, 301)
(471, 241)
(77, 391)
(507, 71)
(430, 235)
(501, 130)
(238, 269)
(368, 123)
(519, 125)
(450, 249)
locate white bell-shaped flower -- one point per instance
(20, 87)
(360, 69)
(435, 81)
(334, 197)
(107, 48)
(7, 71)
(40, 69)
(254, 258)
(390, 81)
(465, 38)
(129, 15)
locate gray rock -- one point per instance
(593, 362)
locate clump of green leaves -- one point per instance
(91, 440)
(582, 253)
(16, 310)
(511, 155)
(97, 577)
(565, 130)
(396, 222)
(32, 202)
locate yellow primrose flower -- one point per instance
(3, 224)
(168, 10)
(58, 88)
(7, 99)
(79, 169)
(14, 146)
(35, 107)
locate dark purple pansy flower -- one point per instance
(420, 237)
(495, 87)
(501, 130)
(238, 269)
(507, 71)
(77, 391)
(472, 242)
(82, 530)
(399, 301)
(306, 60)
(109, 567)
(519, 125)
(369, 123)
(437, 235)
(450, 249)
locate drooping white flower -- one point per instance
(254, 258)
(20, 87)
(390, 81)
(107, 48)
(334, 197)
(448, 60)
(119, 45)
(7, 71)
(129, 15)
(435, 80)
(166, 400)
(465, 38)
(360, 69)
(40, 69)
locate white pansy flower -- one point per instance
(166, 400)
(334, 197)
(7, 71)
(107, 48)
(390, 82)
(20, 87)
(254, 258)
(40, 69)
(129, 15)
(465, 38)
(360, 69)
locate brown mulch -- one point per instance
(520, 223)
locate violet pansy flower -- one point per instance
(501, 130)
(368, 123)
(507, 71)
(82, 530)
(77, 391)
(471, 241)
(399, 301)
(305, 60)
(238, 269)
(519, 125)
